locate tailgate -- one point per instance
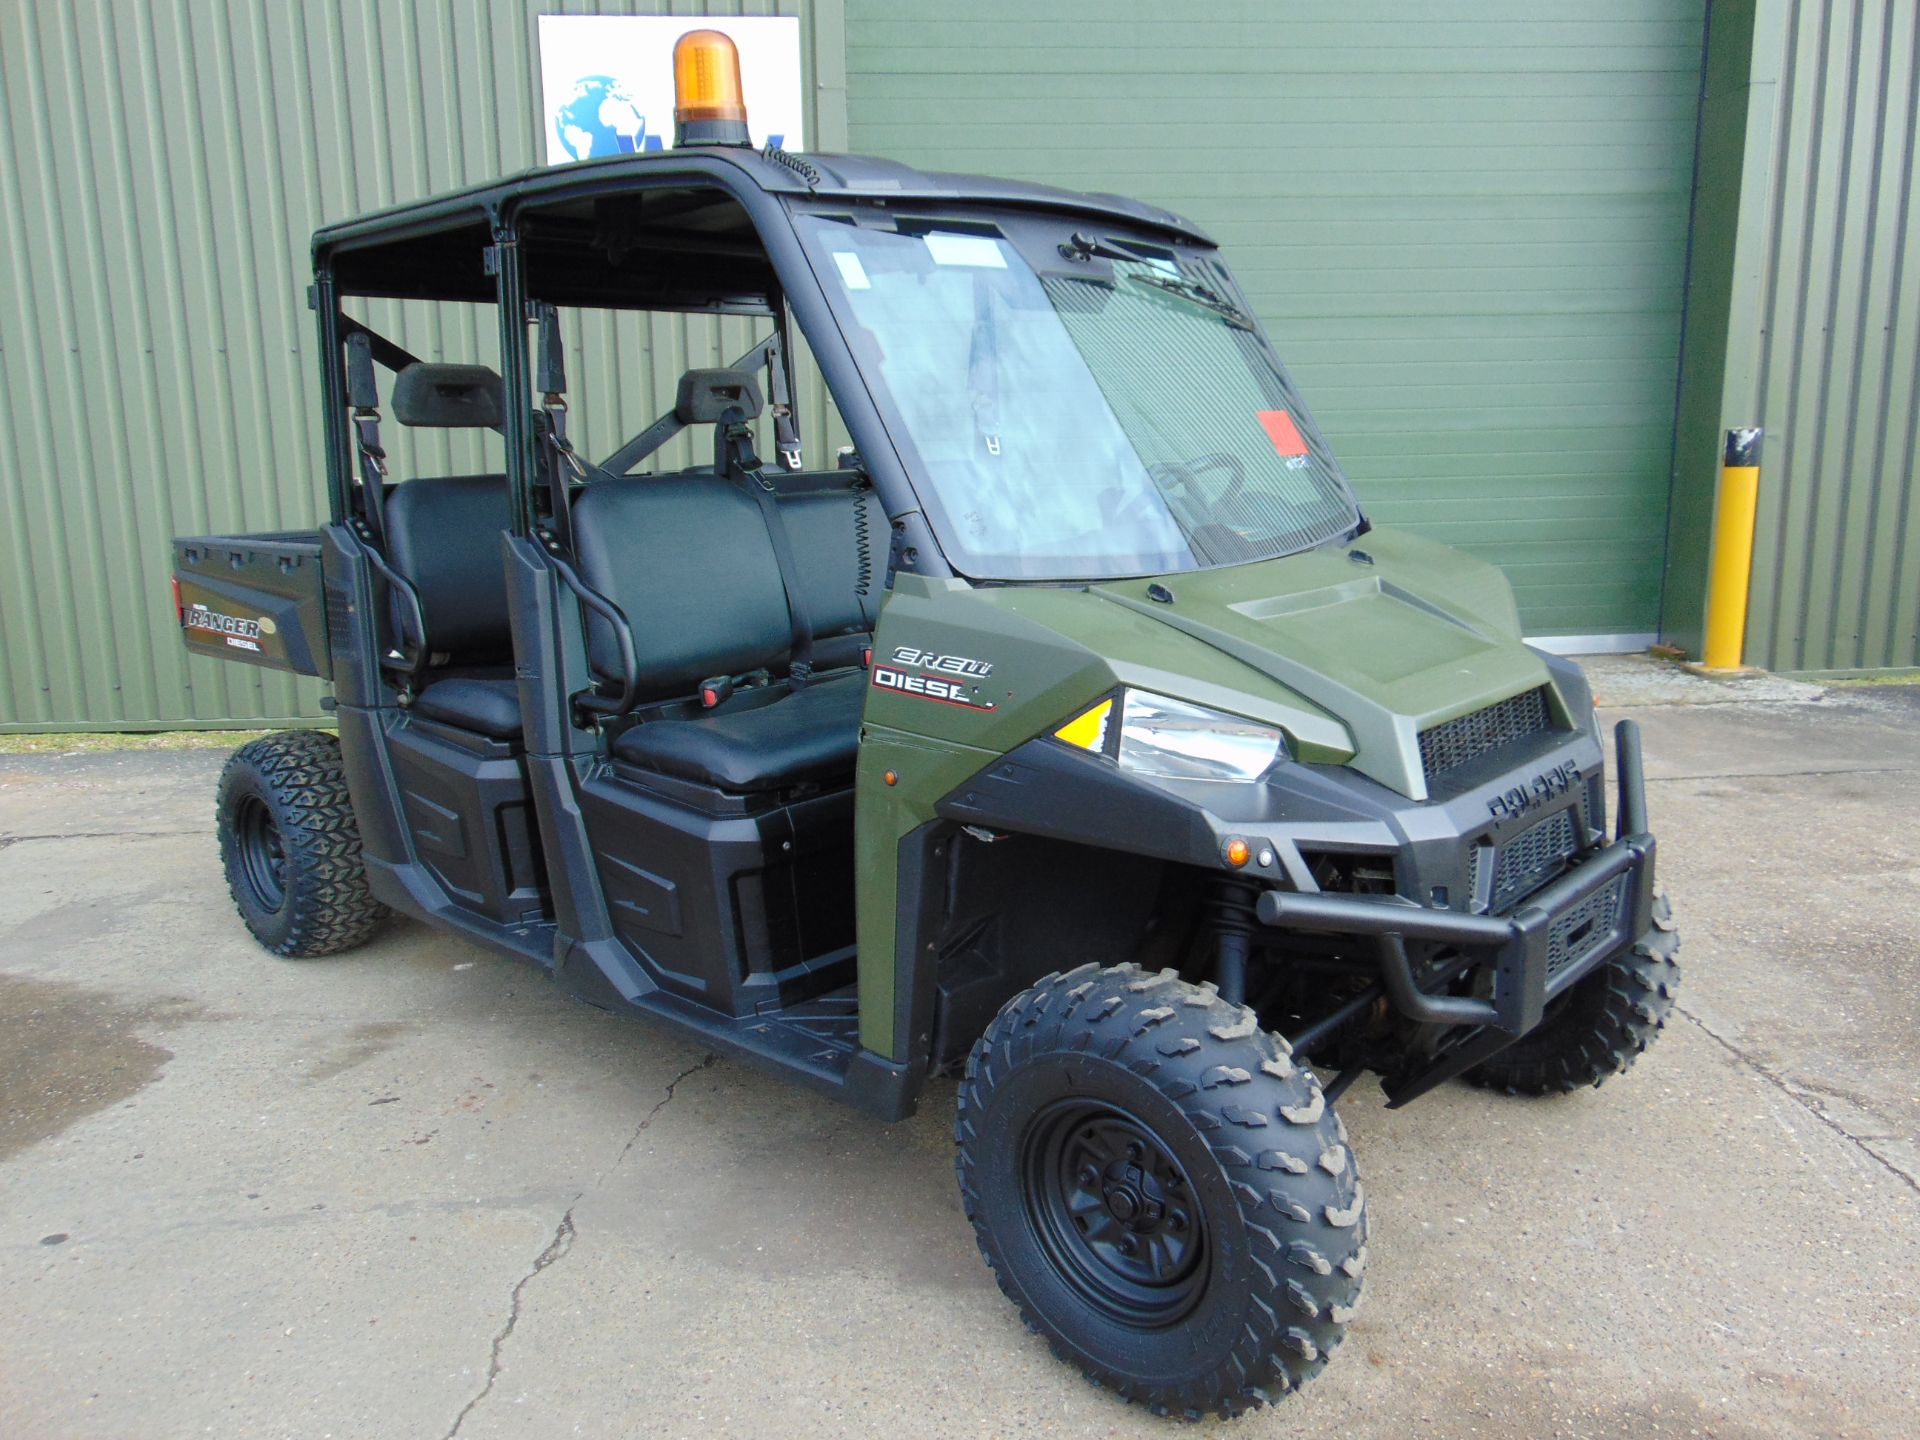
(256, 598)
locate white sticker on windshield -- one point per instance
(982, 250)
(852, 272)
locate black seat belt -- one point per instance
(737, 442)
(363, 399)
(559, 460)
(768, 352)
(786, 435)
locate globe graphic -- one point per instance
(599, 118)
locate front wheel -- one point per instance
(291, 847)
(1599, 1027)
(1166, 1196)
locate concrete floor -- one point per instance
(412, 1191)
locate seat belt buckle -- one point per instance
(716, 691)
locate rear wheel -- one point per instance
(291, 848)
(1599, 1027)
(1163, 1193)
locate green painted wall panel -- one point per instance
(1464, 223)
(162, 167)
(1809, 324)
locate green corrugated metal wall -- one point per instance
(1465, 222)
(163, 165)
(1811, 328)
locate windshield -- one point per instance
(1106, 415)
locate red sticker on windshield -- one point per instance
(1281, 430)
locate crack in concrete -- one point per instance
(648, 1119)
(556, 1249)
(1803, 1097)
(563, 1237)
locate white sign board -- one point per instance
(606, 81)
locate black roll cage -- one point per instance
(507, 211)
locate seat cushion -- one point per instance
(810, 734)
(491, 707)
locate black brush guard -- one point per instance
(1514, 947)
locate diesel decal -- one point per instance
(929, 687)
(947, 664)
(1538, 791)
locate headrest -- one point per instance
(706, 396)
(449, 396)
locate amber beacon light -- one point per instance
(709, 107)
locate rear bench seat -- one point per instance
(688, 559)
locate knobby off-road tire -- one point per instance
(291, 848)
(1605, 1024)
(1163, 1193)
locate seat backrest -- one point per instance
(688, 560)
(833, 537)
(444, 536)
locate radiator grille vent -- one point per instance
(1584, 929)
(1531, 858)
(1452, 743)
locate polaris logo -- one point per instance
(1544, 787)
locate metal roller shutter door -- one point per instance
(1465, 224)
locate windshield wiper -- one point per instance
(1198, 294)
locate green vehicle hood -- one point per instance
(1352, 650)
(1391, 634)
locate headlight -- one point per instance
(1163, 736)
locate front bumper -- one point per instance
(1557, 936)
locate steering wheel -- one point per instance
(1236, 474)
(1185, 474)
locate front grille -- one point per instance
(1452, 743)
(1584, 929)
(1531, 858)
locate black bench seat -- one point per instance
(779, 740)
(689, 560)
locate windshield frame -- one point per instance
(1053, 244)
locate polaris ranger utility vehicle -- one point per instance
(1074, 733)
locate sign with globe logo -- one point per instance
(599, 118)
(607, 81)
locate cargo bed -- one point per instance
(256, 598)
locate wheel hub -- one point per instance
(263, 854)
(1116, 1213)
(1133, 1197)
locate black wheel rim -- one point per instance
(1115, 1212)
(263, 856)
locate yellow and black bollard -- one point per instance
(1731, 570)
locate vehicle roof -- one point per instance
(853, 176)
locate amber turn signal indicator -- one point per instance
(1238, 852)
(709, 105)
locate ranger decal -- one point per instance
(241, 634)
